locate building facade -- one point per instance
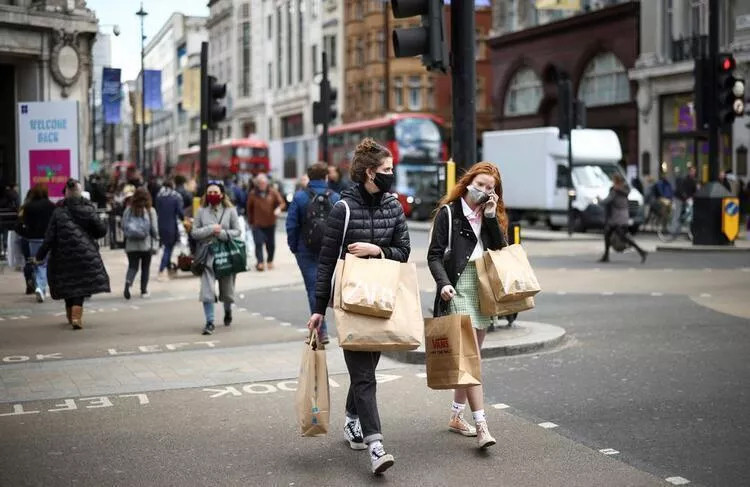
(674, 33)
(45, 55)
(594, 49)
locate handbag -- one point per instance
(313, 398)
(230, 257)
(198, 264)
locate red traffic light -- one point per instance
(727, 63)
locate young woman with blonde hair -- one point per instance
(473, 217)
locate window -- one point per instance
(360, 53)
(480, 94)
(361, 96)
(332, 51)
(604, 82)
(398, 93)
(358, 10)
(300, 40)
(289, 62)
(478, 54)
(381, 95)
(270, 75)
(315, 8)
(245, 10)
(314, 59)
(270, 128)
(246, 58)
(524, 93)
(269, 27)
(431, 93)
(279, 50)
(415, 92)
(380, 46)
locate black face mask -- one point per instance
(384, 182)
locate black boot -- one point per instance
(227, 318)
(605, 258)
(126, 292)
(644, 254)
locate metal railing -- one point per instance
(687, 48)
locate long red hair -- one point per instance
(459, 190)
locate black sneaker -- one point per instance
(381, 461)
(126, 292)
(353, 435)
(209, 329)
(227, 318)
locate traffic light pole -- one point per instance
(326, 89)
(204, 119)
(712, 105)
(464, 82)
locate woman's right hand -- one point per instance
(315, 321)
(447, 292)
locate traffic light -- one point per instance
(324, 111)
(428, 40)
(731, 90)
(216, 111)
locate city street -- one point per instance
(649, 384)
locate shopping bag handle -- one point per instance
(313, 339)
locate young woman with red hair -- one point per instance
(472, 216)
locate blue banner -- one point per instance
(153, 89)
(111, 95)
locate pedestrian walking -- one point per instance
(169, 211)
(264, 205)
(75, 269)
(305, 227)
(216, 220)
(473, 214)
(140, 226)
(377, 229)
(616, 207)
(34, 219)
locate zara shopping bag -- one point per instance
(510, 273)
(489, 304)
(368, 286)
(451, 352)
(313, 400)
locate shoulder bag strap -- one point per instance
(450, 227)
(346, 226)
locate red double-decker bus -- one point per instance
(243, 158)
(417, 142)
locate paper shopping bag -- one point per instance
(489, 305)
(313, 401)
(368, 286)
(510, 273)
(402, 331)
(451, 352)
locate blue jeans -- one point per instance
(308, 265)
(166, 257)
(40, 274)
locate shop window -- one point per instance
(415, 92)
(524, 93)
(604, 82)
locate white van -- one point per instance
(534, 167)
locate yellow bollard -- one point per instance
(450, 175)
(517, 234)
(196, 204)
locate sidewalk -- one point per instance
(740, 245)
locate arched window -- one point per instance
(604, 82)
(524, 93)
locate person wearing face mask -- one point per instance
(473, 216)
(377, 230)
(216, 220)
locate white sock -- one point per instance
(374, 444)
(479, 416)
(457, 408)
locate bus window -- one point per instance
(418, 140)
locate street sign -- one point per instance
(48, 144)
(730, 217)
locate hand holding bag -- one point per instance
(451, 352)
(312, 399)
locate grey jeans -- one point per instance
(362, 400)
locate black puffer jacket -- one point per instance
(377, 219)
(36, 217)
(75, 268)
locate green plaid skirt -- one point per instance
(466, 300)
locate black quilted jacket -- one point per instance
(75, 268)
(377, 219)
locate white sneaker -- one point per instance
(381, 461)
(459, 425)
(39, 295)
(353, 435)
(484, 438)
(145, 295)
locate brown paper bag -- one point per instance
(489, 305)
(451, 352)
(510, 273)
(368, 286)
(312, 400)
(402, 331)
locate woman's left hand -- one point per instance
(362, 249)
(490, 208)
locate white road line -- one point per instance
(657, 294)
(500, 405)
(597, 269)
(548, 425)
(303, 330)
(561, 293)
(705, 295)
(608, 293)
(285, 324)
(745, 269)
(275, 289)
(421, 375)
(609, 451)
(134, 307)
(631, 269)
(254, 313)
(668, 269)
(562, 269)
(677, 480)
(269, 318)
(241, 310)
(707, 269)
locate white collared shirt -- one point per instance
(477, 227)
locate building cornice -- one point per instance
(219, 17)
(31, 19)
(661, 70)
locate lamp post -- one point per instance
(142, 129)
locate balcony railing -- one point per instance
(685, 49)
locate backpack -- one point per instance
(137, 227)
(314, 227)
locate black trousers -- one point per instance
(362, 400)
(264, 236)
(78, 301)
(622, 232)
(134, 258)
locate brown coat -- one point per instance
(260, 210)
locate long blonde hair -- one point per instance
(459, 190)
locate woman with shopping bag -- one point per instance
(216, 222)
(470, 220)
(376, 229)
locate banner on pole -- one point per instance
(111, 95)
(558, 4)
(48, 144)
(153, 89)
(191, 89)
(138, 117)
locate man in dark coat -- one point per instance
(169, 208)
(75, 269)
